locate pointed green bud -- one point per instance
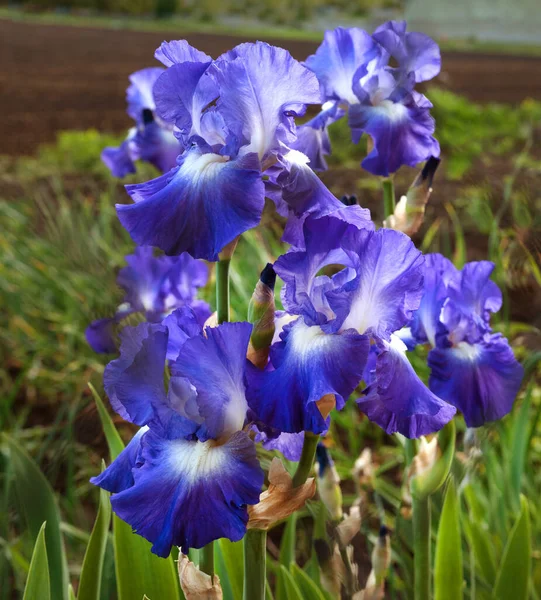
(328, 483)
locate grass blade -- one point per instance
(448, 576)
(114, 441)
(37, 502)
(38, 586)
(91, 573)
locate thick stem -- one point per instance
(222, 289)
(255, 557)
(206, 559)
(388, 197)
(307, 458)
(421, 548)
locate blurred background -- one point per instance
(64, 68)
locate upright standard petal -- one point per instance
(261, 90)
(481, 379)
(415, 52)
(398, 401)
(388, 285)
(306, 365)
(426, 325)
(214, 363)
(139, 94)
(189, 493)
(179, 51)
(199, 207)
(340, 56)
(471, 298)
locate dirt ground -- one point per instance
(55, 77)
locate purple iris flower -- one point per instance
(154, 286)
(235, 118)
(354, 71)
(471, 367)
(151, 139)
(346, 293)
(188, 475)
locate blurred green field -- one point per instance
(61, 248)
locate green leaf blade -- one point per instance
(38, 586)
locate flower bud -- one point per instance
(261, 314)
(409, 212)
(430, 466)
(328, 483)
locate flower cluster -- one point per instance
(356, 77)
(355, 298)
(154, 286)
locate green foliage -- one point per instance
(38, 586)
(448, 577)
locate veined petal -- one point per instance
(189, 493)
(339, 58)
(481, 380)
(305, 366)
(398, 401)
(179, 51)
(198, 208)
(387, 288)
(118, 475)
(260, 91)
(214, 363)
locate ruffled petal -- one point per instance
(305, 366)
(179, 51)
(339, 58)
(426, 325)
(260, 92)
(471, 298)
(388, 285)
(118, 476)
(198, 208)
(415, 52)
(401, 131)
(398, 401)
(189, 493)
(481, 380)
(181, 93)
(214, 363)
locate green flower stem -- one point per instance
(222, 289)
(421, 547)
(255, 557)
(349, 579)
(307, 458)
(206, 559)
(388, 197)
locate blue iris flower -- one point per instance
(189, 474)
(154, 286)
(151, 139)
(342, 322)
(472, 367)
(355, 75)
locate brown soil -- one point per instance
(56, 77)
